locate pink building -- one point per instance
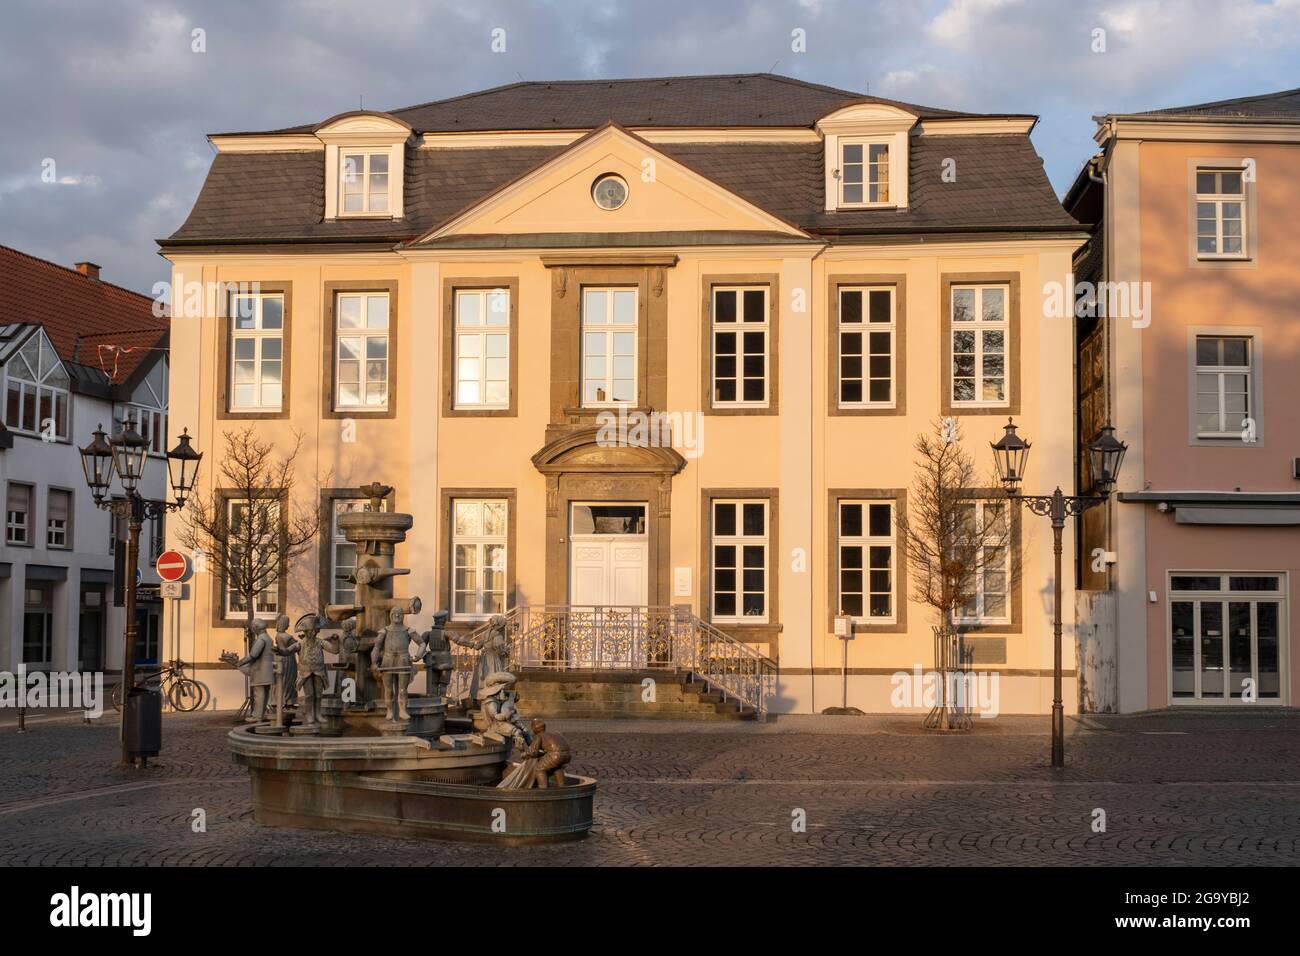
(1191, 347)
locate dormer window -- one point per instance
(364, 162)
(864, 172)
(37, 391)
(866, 156)
(363, 180)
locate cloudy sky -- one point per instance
(112, 101)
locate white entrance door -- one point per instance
(608, 555)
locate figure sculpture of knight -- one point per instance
(391, 656)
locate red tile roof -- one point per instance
(89, 321)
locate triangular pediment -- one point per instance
(663, 195)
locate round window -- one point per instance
(609, 191)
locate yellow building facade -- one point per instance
(781, 289)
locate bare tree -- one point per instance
(248, 527)
(950, 543)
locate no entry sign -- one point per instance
(172, 565)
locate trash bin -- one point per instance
(142, 722)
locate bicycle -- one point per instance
(183, 693)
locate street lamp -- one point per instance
(1105, 456)
(125, 454)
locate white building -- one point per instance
(75, 353)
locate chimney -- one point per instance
(88, 269)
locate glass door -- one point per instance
(1225, 633)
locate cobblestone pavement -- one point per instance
(1183, 789)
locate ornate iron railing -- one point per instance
(567, 637)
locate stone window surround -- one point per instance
(946, 282)
(899, 284)
(329, 345)
(1256, 335)
(218, 610)
(446, 496)
(1250, 234)
(770, 631)
(325, 589)
(1016, 573)
(450, 287)
(569, 275)
(899, 497)
(225, 333)
(771, 281)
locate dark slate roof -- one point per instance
(735, 100)
(1282, 105)
(87, 320)
(1000, 184)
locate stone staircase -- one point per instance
(618, 695)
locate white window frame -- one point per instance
(58, 536)
(865, 328)
(35, 385)
(18, 524)
(1217, 199)
(259, 335)
(979, 326)
(866, 541)
(151, 423)
(606, 327)
(349, 174)
(1223, 595)
(981, 617)
(842, 180)
(481, 334)
(740, 541)
(364, 333)
(739, 328)
(272, 586)
(343, 504)
(480, 543)
(1219, 372)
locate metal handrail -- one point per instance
(610, 637)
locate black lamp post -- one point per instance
(1105, 456)
(125, 455)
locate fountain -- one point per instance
(372, 757)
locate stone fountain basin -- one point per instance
(405, 787)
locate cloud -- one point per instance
(116, 95)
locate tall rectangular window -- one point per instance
(150, 424)
(1223, 385)
(990, 581)
(343, 553)
(58, 519)
(609, 333)
(866, 535)
(256, 352)
(479, 534)
(738, 544)
(361, 351)
(18, 514)
(252, 532)
(741, 349)
(482, 348)
(979, 345)
(867, 329)
(864, 173)
(1220, 214)
(363, 182)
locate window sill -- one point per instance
(856, 206)
(379, 216)
(1223, 258)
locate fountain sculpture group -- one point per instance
(360, 752)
